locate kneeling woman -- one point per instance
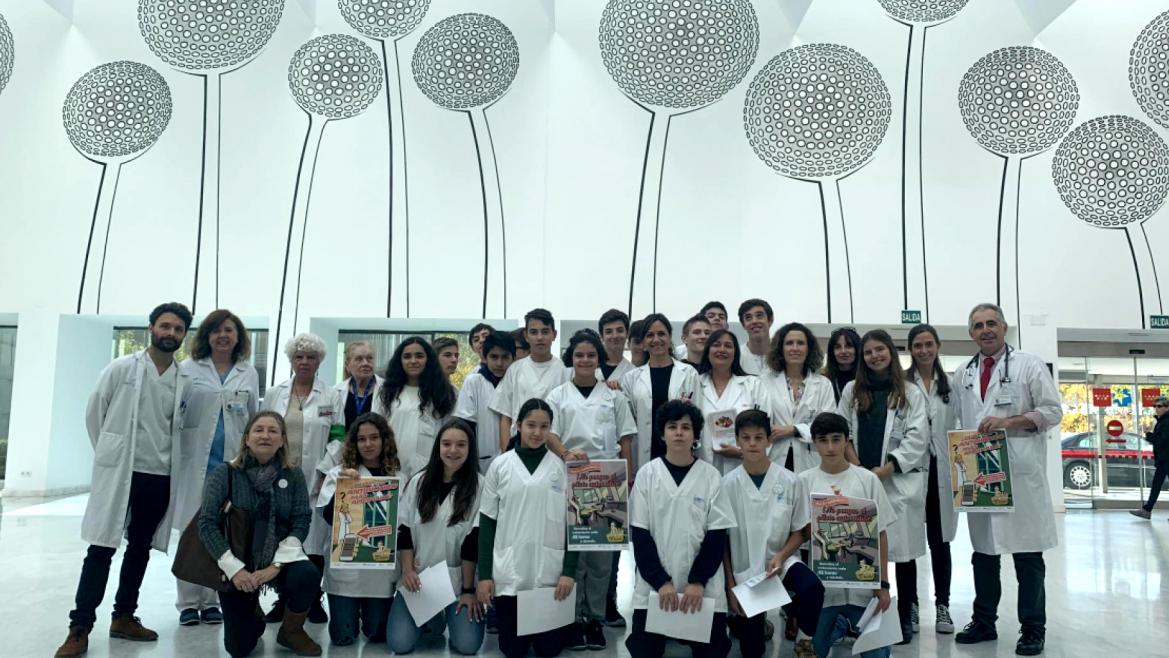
(359, 597)
(261, 481)
(439, 524)
(522, 528)
(680, 521)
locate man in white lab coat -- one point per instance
(134, 420)
(1002, 388)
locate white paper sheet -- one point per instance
(434, 596)
(760, 594)
(537, 610)
(692, 626)
(878, 629)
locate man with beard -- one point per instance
(134, 419)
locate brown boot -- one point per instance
(76, 644)
(292, 635)
(131, 628)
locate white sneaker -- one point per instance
(944, 624)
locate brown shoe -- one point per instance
(131, 628)
(76, 644)
(292, 635)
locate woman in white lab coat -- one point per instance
(359, 599)
(224, 392)
(887, 417)
(648, 387)
(522, 532)
(361, 385)
(844, 348)
(438, 525)
(679, 520)
(798, 393)
(416, 398)
(941, 521)
(726, 391)
(313, 415)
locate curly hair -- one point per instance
(812, 361)
(307, 343)
(211, 324)
(351, 458)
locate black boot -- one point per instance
(316, 614)
(276, 614)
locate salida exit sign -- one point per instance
(1155, 321)
(914, 317)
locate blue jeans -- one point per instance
(834, 624)
(402, 634)
(346, 612)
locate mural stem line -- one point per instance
(1006, 285)
(297, 227)
(913, 247)
(837, 270)
(1153, 268)
(494, 279)
(207, 229)
(652, 172)
(396, 133)
(99, 234)
(1146, 270)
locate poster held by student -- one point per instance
(365, 518)
(598, 508)
(846, 545)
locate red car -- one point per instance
(1124, 461)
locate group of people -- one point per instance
(712, 500)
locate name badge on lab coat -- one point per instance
(1003, 400)
(778, 491)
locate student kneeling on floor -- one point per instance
(679, 522)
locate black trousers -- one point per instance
(149, 498)
(243, 621)
(807, 591)
(940, 559)
(1157, 483)
(651, 645)
(544, 645)
(1029, 570)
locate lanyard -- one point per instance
(360, 399)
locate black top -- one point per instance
(840, 380)
(870, 431)
(659, 379)
(468, 551)
(1159, 437)
(607, 369)
(351, 409)
(677, 472)
(585, 390)
(757, 479)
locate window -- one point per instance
(128, 340)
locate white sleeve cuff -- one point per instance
(230, 565)
(289, 550)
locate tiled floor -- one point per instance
(1106, 594)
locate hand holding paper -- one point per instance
(538, 610)
(693, 626)
(878, 629)
(433, 595)
(760, 593)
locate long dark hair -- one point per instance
(202, 347)
(939, 372)
(466, 478)
(583, 336)
(811, 362)
(705, 366)
(832, 368)
(533, 404)
(862, 397)
(434, 390)
(350, 457)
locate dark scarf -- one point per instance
(870, 432)
(262, 477)
(488, 375)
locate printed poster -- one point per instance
(598, 505)
(846, 545)
(980, 472)
(721, 427)
(365, 521)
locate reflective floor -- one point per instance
(1106, 594)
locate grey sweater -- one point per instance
(293, 514)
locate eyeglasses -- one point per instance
(1161, 406)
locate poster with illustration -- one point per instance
(846, 545)
(598, 505)
(365, 515)
(980, 472)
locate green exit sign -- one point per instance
(914, 317)
(1159, 321)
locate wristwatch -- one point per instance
(278, 565)
(885, 584)
(468, 590)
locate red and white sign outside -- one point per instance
(1114, 427)
(1102, 397)
(1149, 395)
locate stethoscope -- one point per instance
(1004, 376)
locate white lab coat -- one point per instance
(322, 410)
(111, 419)
(1031, 527)
(354, 583)
(529, 510)
(595, 424)
(415, 430)
(742, 393)
(942, 417)
(437, 541)
(753, 364)
(343, 392)
(625, 366)
(237, 398)
(818, 397)
(638, 388)
(766, 516)
(905, 437)
(474, 404)
(678, 518)
(525, 379)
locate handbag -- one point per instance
(195, 564)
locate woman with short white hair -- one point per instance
(312, 412)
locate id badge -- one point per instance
(1003, 401)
